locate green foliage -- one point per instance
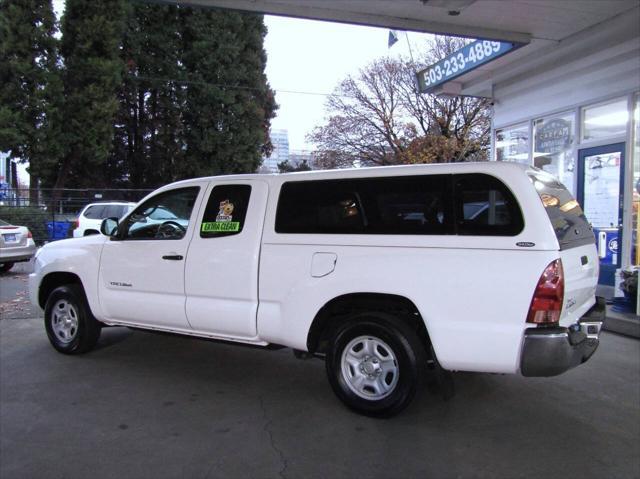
(149, 140)
(33, 218)
(229, 103)
(91, 37)
(194, 100)
(286, 167)
(137, 94)
(29, 81)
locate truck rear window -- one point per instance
(567, 218)
(396, 205)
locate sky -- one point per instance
(313, 57)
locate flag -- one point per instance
(393, 38)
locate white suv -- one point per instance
(389, 274)
(91, 216)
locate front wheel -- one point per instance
(70, 326)
(375, 364)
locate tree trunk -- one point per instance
(56, 194)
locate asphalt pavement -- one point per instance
(146, 405)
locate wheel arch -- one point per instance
(52, 280)
(341, 307)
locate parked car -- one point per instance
(16, 245)
(90, 217)
(386, 273)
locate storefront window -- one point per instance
(553, 147)
(605, 120)
(512, 144)
(635, 244)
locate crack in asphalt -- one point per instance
(267, 429)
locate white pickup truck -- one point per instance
(384, 272)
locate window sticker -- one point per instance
(225, 213)
(221, 227)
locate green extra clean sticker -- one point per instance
(220, 227)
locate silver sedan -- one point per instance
(16, 245)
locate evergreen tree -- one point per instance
(194, 100)
(91, 37)
(286, 167)
(229, 104)
(29, 81)
(148, 139)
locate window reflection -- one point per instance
(512, 144)
(553, 147)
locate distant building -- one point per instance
(280, 153)
(5, 168)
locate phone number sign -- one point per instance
(461, 61)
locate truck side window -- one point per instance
(226, 211)
(411, 205)
(486, 207)
(325, 207)
(163, 217)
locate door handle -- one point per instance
(174, 257)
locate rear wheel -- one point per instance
(70, 326)
(375, 364)
(4, 267)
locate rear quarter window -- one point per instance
(94, 212)
(486, 207)
(569, 223)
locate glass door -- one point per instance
(600, 188)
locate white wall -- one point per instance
(595, 64)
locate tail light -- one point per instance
(546, 304)
(29, 235)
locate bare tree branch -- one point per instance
(378, 117)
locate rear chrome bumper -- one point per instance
(552, 351)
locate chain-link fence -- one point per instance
(50, 214)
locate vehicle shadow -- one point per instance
(112, 335)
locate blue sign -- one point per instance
(461, 61)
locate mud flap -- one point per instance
(439, 380)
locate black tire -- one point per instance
(4, 267)
(70, 326)
(384, 332)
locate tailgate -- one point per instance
(580, 265)
(576, 242)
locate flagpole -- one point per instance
(406, 34)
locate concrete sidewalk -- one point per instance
(622, 323)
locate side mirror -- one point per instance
(109, 227)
